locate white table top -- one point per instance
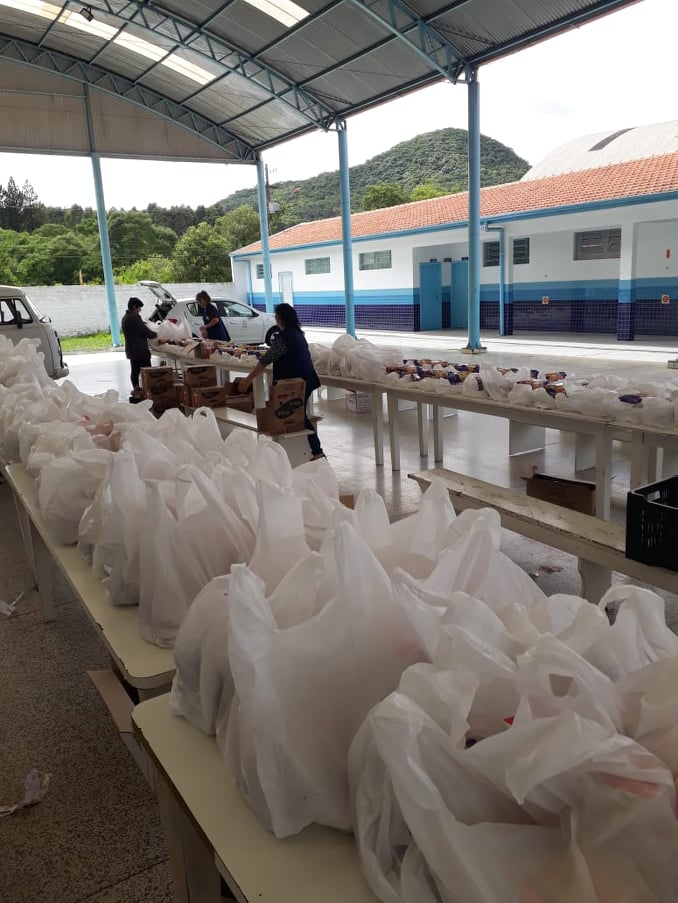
(319, 864)
(142, 664)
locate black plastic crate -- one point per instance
(652, 524)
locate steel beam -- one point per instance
(119, 86)
(191, 36)
(263, 226)
(346, 239)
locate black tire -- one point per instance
(271, 332)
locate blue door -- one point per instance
(459, 312)
(431, 296)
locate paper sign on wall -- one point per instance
(544, 299)
(666, 299)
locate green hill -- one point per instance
(436, 157)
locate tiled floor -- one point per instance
(96, 837)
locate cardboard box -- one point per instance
(184, 396)
(241, 402)
(284, 412)
(163, 398)
(200, 377)
(577, 495)
(209, 397)
(358, 402)
(157, 378)
(348, 501)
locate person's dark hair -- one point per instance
(203, 296)
(287, 316)
(134, 303)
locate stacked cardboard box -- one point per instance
(158, 385)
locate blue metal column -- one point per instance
(263, 226)
(103, 228)
(105, 251)
(347, 244)
(473, 213)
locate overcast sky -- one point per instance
(617, 72)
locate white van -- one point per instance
(20, 319)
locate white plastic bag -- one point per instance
(188, 536)
(67, 487)
(113, 528)
(303, 691)
(203, 685)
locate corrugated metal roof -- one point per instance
(342, 56)
(653, 175)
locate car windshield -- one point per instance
(37, 313)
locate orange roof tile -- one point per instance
(652, 175)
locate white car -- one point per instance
(243, 323)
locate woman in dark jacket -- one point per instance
(136, 335)
(291, 359)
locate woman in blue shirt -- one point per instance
(214, 326)
(291, 359)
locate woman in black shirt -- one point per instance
(136, 335)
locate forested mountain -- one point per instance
(435, 161)
(42, 245)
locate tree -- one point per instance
(201, 256)
(428, 189)
(161, 269)
(240, 227)
(11, 205)
(12, 249)
(131, 236)
(385, 194)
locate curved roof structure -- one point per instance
(605, 148)
(224, 79)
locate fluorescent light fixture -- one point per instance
(188, 70)
(83, 20)
(89, 26)
(285, 11)
(36, 7)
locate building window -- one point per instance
(260, 271)
(490, 253)
(316, 265)
(603, 244)
(521, 250)
(375, 260)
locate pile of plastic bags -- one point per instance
(352, 357)
(171, 331)
(625, 400)
(409, 682)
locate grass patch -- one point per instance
(99, 342)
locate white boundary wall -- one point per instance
(83, 310)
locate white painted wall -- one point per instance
(551, 252)
(83, 310)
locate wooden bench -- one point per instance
(599, 545)
(212, 834)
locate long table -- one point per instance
(527, 430)
(226, 364)
(147, 668)
(211, 833)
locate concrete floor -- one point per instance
(96, 837)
